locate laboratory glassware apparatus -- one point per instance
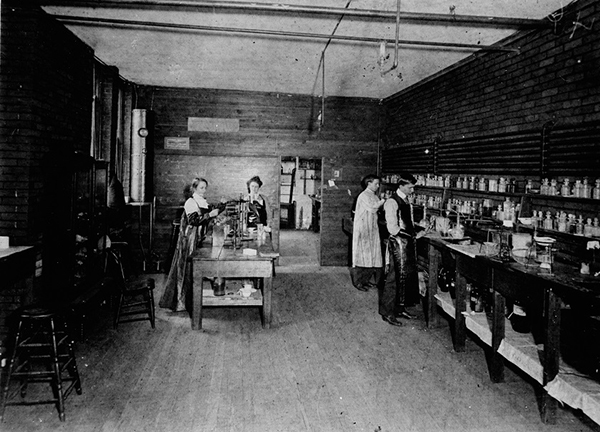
(237, 215)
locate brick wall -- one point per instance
(45, 111)
(554, 78)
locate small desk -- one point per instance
(224, 261)
(17, 271)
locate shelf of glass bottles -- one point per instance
(561, 222)
(565, 187)
(500, 206)
(564, 214)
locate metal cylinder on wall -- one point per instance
(139, 152)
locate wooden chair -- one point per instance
(135, 300)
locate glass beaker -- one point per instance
(218, 286)
(505, 247)
(544, 251)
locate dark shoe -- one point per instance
(405, 314)
(361, 288)
(391, 320)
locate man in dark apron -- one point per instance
(401, 286)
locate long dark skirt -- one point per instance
(179, 282)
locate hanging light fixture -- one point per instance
(382, 49)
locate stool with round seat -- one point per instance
(42, 352)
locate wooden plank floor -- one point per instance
(328, 364)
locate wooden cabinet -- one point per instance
(75, 224)
(88, 224)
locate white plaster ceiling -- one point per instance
(209, 59)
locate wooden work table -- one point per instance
(227, 262)
(537, 355)
(17, 270)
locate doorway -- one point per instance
(300, 210)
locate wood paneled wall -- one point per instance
(227, 177)
(271, 125)
(552, 80)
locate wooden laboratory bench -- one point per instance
(537, 353)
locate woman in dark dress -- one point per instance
(259, 211)
(197, 212)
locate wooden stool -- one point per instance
(42, 352)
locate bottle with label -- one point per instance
(545, 187)
(571, 222)
(499, 213)
(493, 185)
(485, 207)
(548, 224)
(481, 185)
(502, 185)
(577, 189)
(553, 188)
(534, 219)
(540, 219)
(579, 226)
(596, 228)
(529, 186)
(586, 189)
(472, 183)
(562, 222)
(506, 206)
(596, 191)
(476, 297)
(465, 183)
(565, 189)
(588, 229)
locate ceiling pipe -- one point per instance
(395, 64)
(429, 18)
(322, 65)
(67, 19)
(322, 121)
